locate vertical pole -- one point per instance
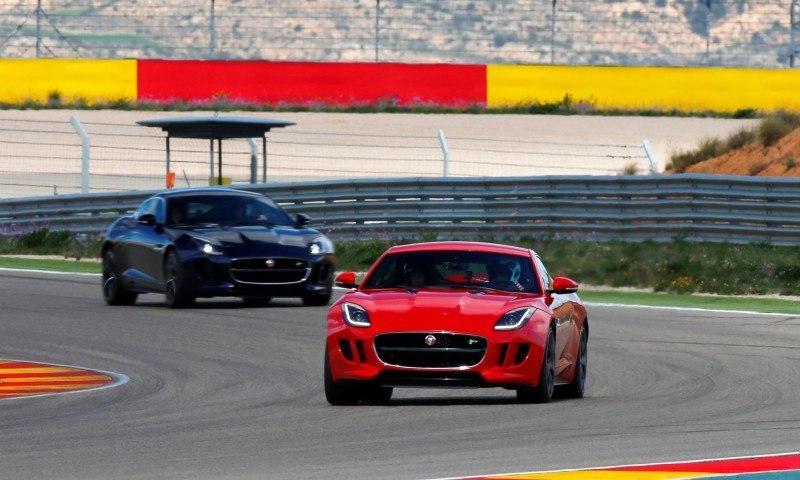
(650, 157)
(377, 30)
(553, 34)
(212, 42)
(445, 153)
(264, 154)
(219, 157)
(211, 162)
(708, 32)
(168, 158)
(792, 28)
(38, 28)
(253, 160)
(76, 124)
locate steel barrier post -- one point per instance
(445, 153)
(253, 160)
(76, 124)
(650, 157)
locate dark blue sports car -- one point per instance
(215, 242)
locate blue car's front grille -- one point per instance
(269, 270)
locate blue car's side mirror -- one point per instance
(147, 219)
(302, 220)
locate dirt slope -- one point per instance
(779, 160)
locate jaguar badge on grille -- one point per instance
(430, 340)
(270, 263)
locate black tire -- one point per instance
(113, 291)
(578, 385)
(376, 394)
(175, 289)
(316, 299)
(338, 393)
(256, 302)
(543, 391)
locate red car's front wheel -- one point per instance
(338, 393)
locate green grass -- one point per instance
(628, 298)
(53, 265)
(764, 305)
(221, 103)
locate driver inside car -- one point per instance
(501, 277)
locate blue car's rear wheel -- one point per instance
(113, 291)
(176, 290)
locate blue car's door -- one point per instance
(145, 246)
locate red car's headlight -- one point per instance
(514, 319)
(354, 315)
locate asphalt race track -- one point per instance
(225, 391)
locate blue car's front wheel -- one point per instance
(176, 289)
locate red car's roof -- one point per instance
(460, 246)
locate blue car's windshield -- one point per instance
(455, 269)
(225, 210)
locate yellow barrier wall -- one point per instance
(693, 89)
(94, 80)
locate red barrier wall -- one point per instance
(308, 83)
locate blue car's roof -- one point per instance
(206, 191)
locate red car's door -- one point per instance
(563, 314)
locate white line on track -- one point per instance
(704, 460)
(119, 379)
(50, 272)
(687, 309)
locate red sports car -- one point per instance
(456, 314)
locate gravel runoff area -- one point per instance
(315, 148)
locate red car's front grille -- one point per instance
(419, 350)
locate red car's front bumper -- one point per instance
(508, 358)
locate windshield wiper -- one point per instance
(476, 288)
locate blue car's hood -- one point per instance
(255, 240)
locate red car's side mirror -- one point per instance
(563, 285)
(346, 280)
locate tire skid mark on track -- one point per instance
(772, 467)
(27, 379)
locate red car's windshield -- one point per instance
(454, 269)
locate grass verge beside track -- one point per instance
(709, 302)
(77, 266)
(713, 302)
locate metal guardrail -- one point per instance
(655, 207)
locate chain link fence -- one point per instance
(45, 157)
(730, 33)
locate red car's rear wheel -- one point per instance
(543, 391)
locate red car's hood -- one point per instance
(433, 309)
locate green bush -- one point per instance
(741, 138)
(48, 242)
(777, 126)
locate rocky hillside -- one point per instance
(608, 32)
(779, 160)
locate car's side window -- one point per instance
(547, 282)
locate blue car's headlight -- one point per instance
(514, 319)
(210, 249)
(354, 315)
(320, 246)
